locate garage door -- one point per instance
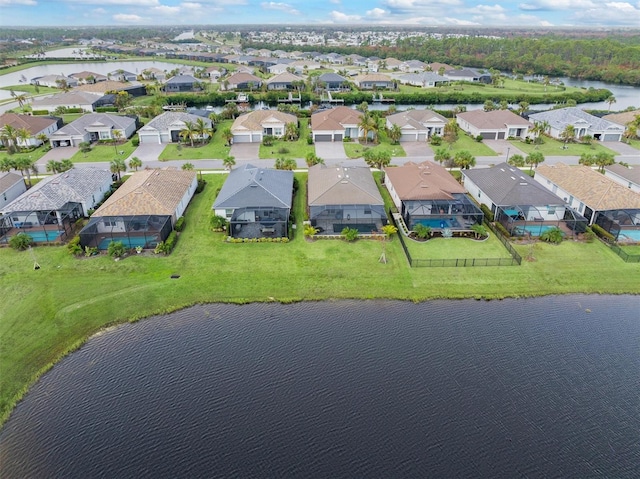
(242, 138)
(500, 135)
(256, 138)
(611, 137)
(322, 138)
(488, 135)
(338, 137)
(408, 137)
(422, 137)
(151, 138)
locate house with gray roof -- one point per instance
(73, 99)
(242, 81)
(417, 125)
(180, 83)
(467, 74)
(256, 202)
(54, 81)
(625, 176)
(122, 75)
(582, 122)
(423, 79)
(493, 125)
(333, 81)
(12, 185)
(519, 203)
(283, 81)
(166, 128)
(48, 210)
(94, 127)
(342, 197)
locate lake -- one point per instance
(543, 387)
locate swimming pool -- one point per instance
(437, 222)
(43, 236)
(131, 242)
(629, 235)
(533, 230)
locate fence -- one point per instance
(626, 257)
(515, 259)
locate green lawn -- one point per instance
(297, 149)
(216, 148)
(103, 152)
(34, 154)
(633, 249)
(49, 312)
(461, 248)
(31, 89)
(465, 142)
(553, 147)
(355, 149)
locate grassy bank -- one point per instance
(50, 311)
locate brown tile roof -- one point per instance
(103, 86)
(424, 181)
(335, 118)
(339, 185)
(148, 192)
(622, 118)
(243, 77)
(494, 120)
(34, 124)
(284, 77)
(592, 188)
(8, 179)
(374, 77)
(254, 120)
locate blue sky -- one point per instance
(529, 13)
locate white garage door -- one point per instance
(242, 138)
(408, 137)
(611, 137)
(149, 138)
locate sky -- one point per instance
(524, 13)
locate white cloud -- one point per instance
(486, 9)
(377, 13)
(166, 10)
(137, 3)
(7, 3)
(557, 5)
(125, 18)
(283, 7)
(620, 13)
(340, 17)
(458, 21)
(191, 5)
(99, 11)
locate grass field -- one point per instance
(355, 149)
(48, 312)
(553, 147)
(460, 248)
(106, 153)
(297, 149)
(215, 149)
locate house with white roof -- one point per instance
(583, 123)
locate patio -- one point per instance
(258, 230)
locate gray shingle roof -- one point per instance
(423, 77)
(69, 98)
(8, 179)
(181, 79)
(53, 192)
(562, 117)
(331, 77)
(250, 186)
(98, 120)
(165, 120)
(506, 185)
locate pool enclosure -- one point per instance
(457, 213)
(332, 219)
(623, 224)
(46, 227)
(145, 231)
(533, 221)
(259, 222)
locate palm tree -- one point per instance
(26, 166)
(364, 126)
(227, 135)
(516, 160)
(394, 133)
(117, 136)
(568, 134)
(203, 130)
(610, 101)
(188, 132)
(442, 156)
(374, 127)
(117, 166)
(464, 160)
(523, 106)
(228, 162)
(135, 163)
(291, 131)
(451, 132)
(65, 165)
(41, 137)
(533, 159)
(631, 132)
(23, 135)
(9, 136)
(21, 99)
(53, 166)
(6, 165)
(603, 159)
(188, 166)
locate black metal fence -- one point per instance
(626, 257)
(515, 259)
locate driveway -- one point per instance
(502, 148)
(417, 149)
(245, 151)
(58, 154)
(148, 152)
(621, 148)
(330, 151)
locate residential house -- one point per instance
(493, 125)
(283, 81)
(242, 81)
(122, 75)
(423, 79)
(624, 118)
(215, 72)
(35, 125)
(344, 197)
(519, 203)
(583, 123)
(393, 63)
(181, 83)
(256, 202)
(625, 176)
(427, 194)
(54, 81)
(467, 74)
(417, 125)
(166, 128)
(304, 66)
(12, 185)
(413, 66)
(333, 81)
(109, 88)
(336, 124)
(374, 81)
(154, 73)
(73, 99)
(48, 210)
(85, 77)
(142, 211)
(252, 127)
(281, 67)
(94, 127)
(599, 199)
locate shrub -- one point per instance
(218, 223)
(552, 235)
(135, 141)
(283, 150)
(201, 184)
(479, 138)
(116, 249)
(21, 241)
(602, 233)
(479, 230)
(268, 140)
(310, 231)
(422, 231)
(73, 246)
(170, 242)
(39, 112)
(309, 141)
(179, 226)
(106, 109)
(589, 236)
(350, 234)
(502, 230)
(89, 251)
(487, 213)
(436, 140)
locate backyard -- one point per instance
(452, 248)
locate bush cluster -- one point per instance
(179, 226)
(283, 239)
(487, 213)
(502, 230)
(201, 184)
(21, 241)
(166, 247)
(73, 246)
(602, 233)
(116, 249)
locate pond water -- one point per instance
(545, 387)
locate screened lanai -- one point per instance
(623, 224)
(457, 213)
(332, 219)
(259, 222)
(529, 220)
(145, 231)
(51, 226)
